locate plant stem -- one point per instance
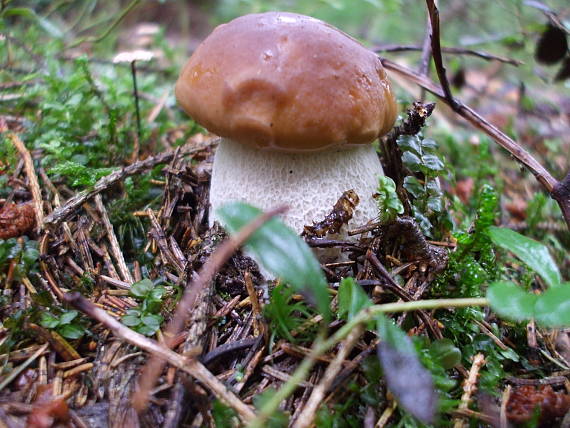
(321, 346)
(105, 33)
(136, 96)
(289, 387)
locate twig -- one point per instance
(67, 210)
(524, 157)
(503, 421)
(306, 417)
(321, 346)
(559, 191)
(393, 165)
(136, 96)
(450, 50)
(32, 177)
(16, 371)
(436, 52)
(399, 291)
(191, 366)
(226, 348)
(115, 23)
(287, 389)
(115, 248)
(258, 326)
(386, 414)
(469, 386)
(206, 274)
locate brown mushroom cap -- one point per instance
(286, 82)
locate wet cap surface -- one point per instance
(287, 82)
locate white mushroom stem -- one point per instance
(309, 183)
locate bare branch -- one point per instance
(436, 52)
(479, 122)
(450, 50)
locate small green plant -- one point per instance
(26, 256)
(67, 324)
(145, 318)
(550, 308)
(420, 156)
(389, 205)
(285, 314)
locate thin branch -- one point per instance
(211, 267)
(66, 211)
(479, 122)
(321, 346)
(115, 248)
(559, 191)
(31, 174)
(306, 417)
(188, 365)
(450, 50)
(470, 386)
(116, 22)
(436, 52)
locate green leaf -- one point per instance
(145, 329)
(510, 301)
(44, 23)
(412, 185)
(47, 320)
(286, 314)
(351, 299)
(282, 252)
(71, 331)
(531, 252)
(224, 416)
(278, 419)
(411, 160)
(428, 143)
(67, 317)
(553, 307)
(157, 293)
(445, 353)
(152, 321)
(435, 203)
(388, 201)
(409, 381)
(410, 143)
(141, 288)
(433, 163)
(131, 320)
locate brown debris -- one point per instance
(525, 400)
(16, 220)
(341, 213)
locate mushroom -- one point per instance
(298, 103)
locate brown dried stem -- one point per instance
(189, 365)
(559, 191)
(211, 267)
(436, 52)
(306, 417)
(32, 177)
(449, 50)
(115, 248)
(470, 386)
(67, 210)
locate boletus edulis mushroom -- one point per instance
(298, 103)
